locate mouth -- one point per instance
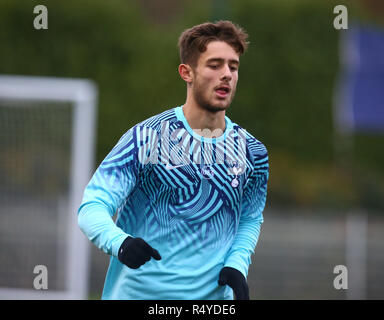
(222, 91)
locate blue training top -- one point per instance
(197, 200)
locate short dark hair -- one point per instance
(193, 41)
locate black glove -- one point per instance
(236, 281)
(134, 252)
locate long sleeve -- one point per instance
(254, 198)
(106, 192)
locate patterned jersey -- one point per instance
(197, 200)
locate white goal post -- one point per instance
(47, 142)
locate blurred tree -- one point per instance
(375, 7)
(285, 92)
(161, 12)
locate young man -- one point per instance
(188, 185)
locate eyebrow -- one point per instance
(232, 61)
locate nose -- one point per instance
(227, 74)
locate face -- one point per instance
(215, 77)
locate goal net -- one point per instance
(47, 135)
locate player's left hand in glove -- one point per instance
(134, 252)
(236, 280)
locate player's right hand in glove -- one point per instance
(235, 279)
(134, 252)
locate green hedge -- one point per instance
(285, 91)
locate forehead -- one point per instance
(219, 50)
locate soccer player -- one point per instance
(188, 186)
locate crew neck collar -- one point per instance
(180, 116)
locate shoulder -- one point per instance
(256, 150)
(148, 127)
(156, 122)
(143, 137)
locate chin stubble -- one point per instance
(204, 104)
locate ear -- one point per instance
(186, 73)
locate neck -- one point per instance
(204, 122)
